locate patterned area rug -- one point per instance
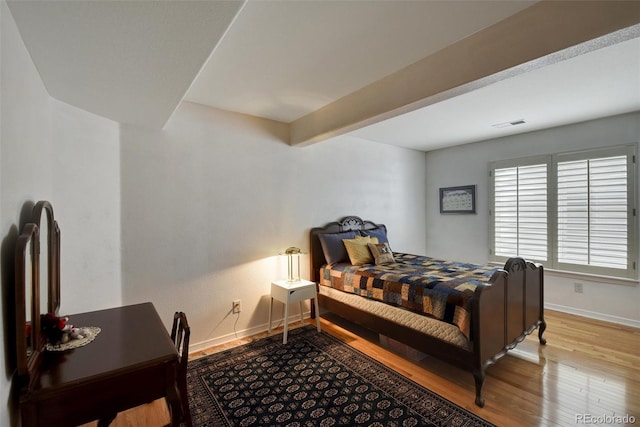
(313, 380)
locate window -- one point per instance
(521, 211)
(571, 211)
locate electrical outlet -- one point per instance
(577, 287)
(237, 308)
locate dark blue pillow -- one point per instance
(378, 232)
(333, 247)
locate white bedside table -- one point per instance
(290, 292)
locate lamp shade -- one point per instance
(293, 263)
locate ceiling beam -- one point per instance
(545, 33)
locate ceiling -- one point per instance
(130, 61)
(135, 61)
(285, 59)
(599, 83)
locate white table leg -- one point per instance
(270, 311)
(301, 308)
(286, 322)
(315, 302)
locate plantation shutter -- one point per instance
(574, 211)
(520, 212)
(592, 212)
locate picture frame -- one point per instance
(458, 200)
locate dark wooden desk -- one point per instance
(132, 361)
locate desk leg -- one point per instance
(315, 304)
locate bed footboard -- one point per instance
(504, 313)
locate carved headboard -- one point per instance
(30, 289)
(347, 223)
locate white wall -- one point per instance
(209, 202)
(55, 152)
(86, 198)
(466, 237)
(25, 141)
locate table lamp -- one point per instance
(293, 264)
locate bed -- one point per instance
(467, 315)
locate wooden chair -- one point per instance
(180, 333)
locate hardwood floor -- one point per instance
(588, 369)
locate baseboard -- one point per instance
(594, 315)
(203, 345)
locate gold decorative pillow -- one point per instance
(358, 250)
(381, 253)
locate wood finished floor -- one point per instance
(587, 368)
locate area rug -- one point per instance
(313, 380)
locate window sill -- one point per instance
(586, 276)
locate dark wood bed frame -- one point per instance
(502, 315)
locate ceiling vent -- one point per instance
(508, 124)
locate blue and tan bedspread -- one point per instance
(437, 288)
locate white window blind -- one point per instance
(592, 212)
(572, 211)
(520, 211)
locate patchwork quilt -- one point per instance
(437, 288)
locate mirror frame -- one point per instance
(53, 253)
(30, 238)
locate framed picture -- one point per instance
(458, 200)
